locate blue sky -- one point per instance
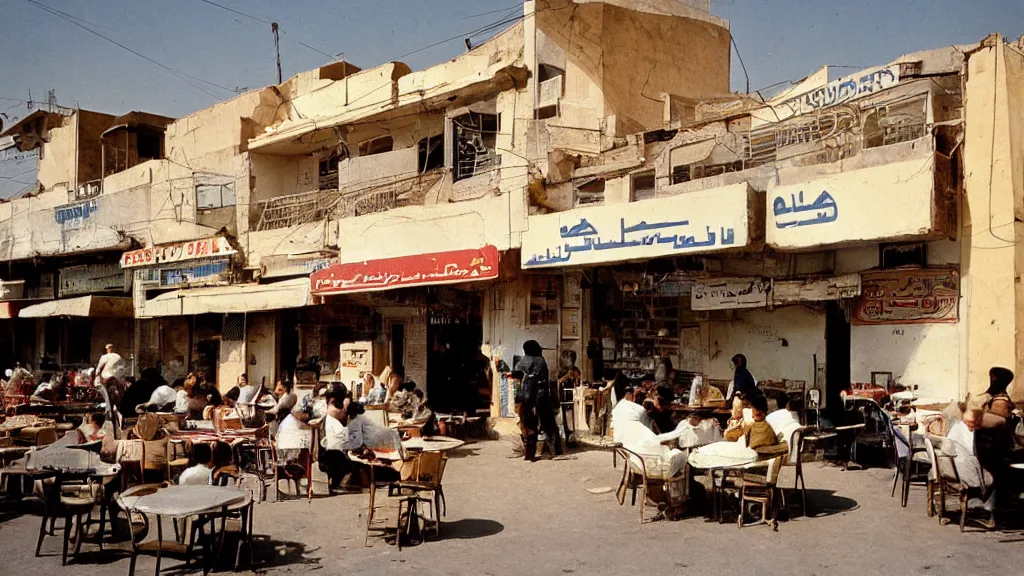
(778, 40)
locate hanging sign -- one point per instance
(419, 270)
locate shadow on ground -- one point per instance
(471, 528)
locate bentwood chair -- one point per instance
(422, 477)
(74, 509)
(762, 489)
(643, 473)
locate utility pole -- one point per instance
(277, 49)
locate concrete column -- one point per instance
(992, 252)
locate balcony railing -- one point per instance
(354, 200)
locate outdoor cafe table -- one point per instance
(183, 502)
(720, 457)
(432, 444)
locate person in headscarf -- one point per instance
(537, 398)
(742, 381)
(999, 402)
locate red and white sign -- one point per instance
(418, 270)
(205, 248)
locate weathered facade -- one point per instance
(583, 179)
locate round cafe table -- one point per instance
(432, 444)
(185, 501)
(717, 459)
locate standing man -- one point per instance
(538, 398)
(111, 365)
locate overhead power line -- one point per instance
(77, 22)
(265, 21)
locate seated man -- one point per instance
(403, 400)
(202, 472)
(783, 420)
(163, 399)
(698, 430)
(96, 427)
(968, 467)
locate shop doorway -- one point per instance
(455, 371)
(289, 348)
(206, 337)
(397, 344)
(837, 354)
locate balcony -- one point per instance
(357, 199)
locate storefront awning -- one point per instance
(450, 267)
(230, 299)
(82, 306)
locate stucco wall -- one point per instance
(261, 344)
(646, 55)
(928, 356)
(759, 335)
(506, 330)
(991, 236)
(427, 229)
(57, 164)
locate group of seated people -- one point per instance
(348, 431)
(638, 421)
(397, 395)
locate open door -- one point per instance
(837, 354)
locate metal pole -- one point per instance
(277, 49)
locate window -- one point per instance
(329, 170)
(643, 186)
(902, 255)
(680, 174)
(894, 123)
(210, 196)
(589, 192)
(431, 153)
(544, 299)
(476, 137)
(377, 146)
(148, 144)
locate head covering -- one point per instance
(532, 348)
(1000, 379)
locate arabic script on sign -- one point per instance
(585, 237)
(797, 213)
(437, 268)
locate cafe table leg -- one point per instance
(159, 542)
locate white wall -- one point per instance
(927, 356)
(758, 335)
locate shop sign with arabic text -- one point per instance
(405, 271)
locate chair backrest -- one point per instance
(774, 467)
(130, 451)
(632, 460)
(945, 464)
(377, 414)
(929, 449)
(794, 445)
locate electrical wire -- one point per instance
(265, 21)
(77, 22)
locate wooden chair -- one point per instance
(74, 509)
(131, 455)
(421, 476)
(177, 456)
(637, 474)
(763, 489)
(948, 479)
(914, 453)
(379, 504)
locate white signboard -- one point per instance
(726, 293)
(698, 222)
(836, 92)
(92, 278)
(892, 201)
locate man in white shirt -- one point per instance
(202, 472)
(968, 467)
(111, 365)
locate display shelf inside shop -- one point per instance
(647, 327)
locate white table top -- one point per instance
(189, 500)
(432, 444)
(721, 455)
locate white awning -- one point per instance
(83, 306)
(239, 298)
